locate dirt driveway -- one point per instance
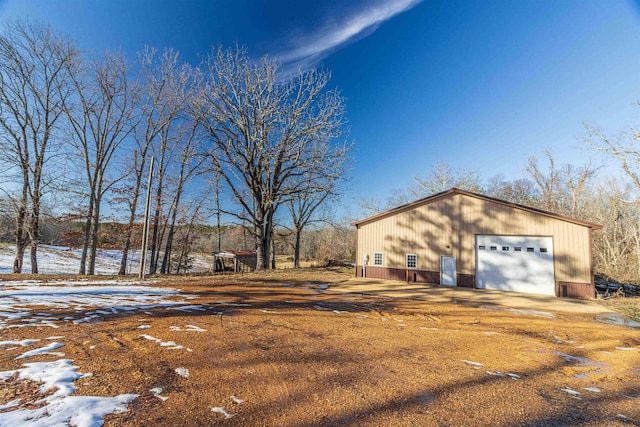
(469, 297)
(285, 349)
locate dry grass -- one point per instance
(628, 307)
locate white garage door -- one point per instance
(515, 263)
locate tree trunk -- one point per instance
(273, 252)
(165, 268)
(132, 218)
(264, 242)
(87, 236)
(153, 263)
(166, 261)
(34, 229)
(262, 248)
(94, 237)
(296, 249)
(17, 263)
(21, 242)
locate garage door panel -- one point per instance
(515, 263)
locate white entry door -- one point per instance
(448, 271)
(515, 263)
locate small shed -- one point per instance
(459, 238)
(236, 261)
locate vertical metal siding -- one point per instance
(454, 220)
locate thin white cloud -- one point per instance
(332, 35)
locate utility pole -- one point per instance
(145, 226)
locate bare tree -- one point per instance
(442, 178)
(159, 103)
(189, 165)
(562, 190)
(620, 249)
(34, 61)
(520, 191)
(264, 129)
(101, 120)
(625, 147)
(314, 191)
(371, 205)
(617, 247)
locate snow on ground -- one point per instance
(90, 300)
(223, 411)
(64, 260)
(25, 304)
(61, 408)
(171, 345)
(47, 349)
(183, 372)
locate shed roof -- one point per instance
(234, 254)
(453, 191)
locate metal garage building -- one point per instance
(459, 238)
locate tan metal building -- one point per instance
(459, 238)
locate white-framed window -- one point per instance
(412, 261)
(378, 258)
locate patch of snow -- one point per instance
(593, 389)
(144, 326)
(98, 297)
(61, 409)
(571, 391)
(472, 363)
(625, 348)
(42, 350)
(236, 399)
(64, 260)
(183, 372)
(171, 345)
(10, 404)
(188, 308)
(223, 411)
(500, 374)
(157, 393)
(22, 343)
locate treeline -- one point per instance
(578, 191)
(228, 138)
(318, 243)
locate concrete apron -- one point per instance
(465, 296)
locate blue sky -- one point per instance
(479, 84)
